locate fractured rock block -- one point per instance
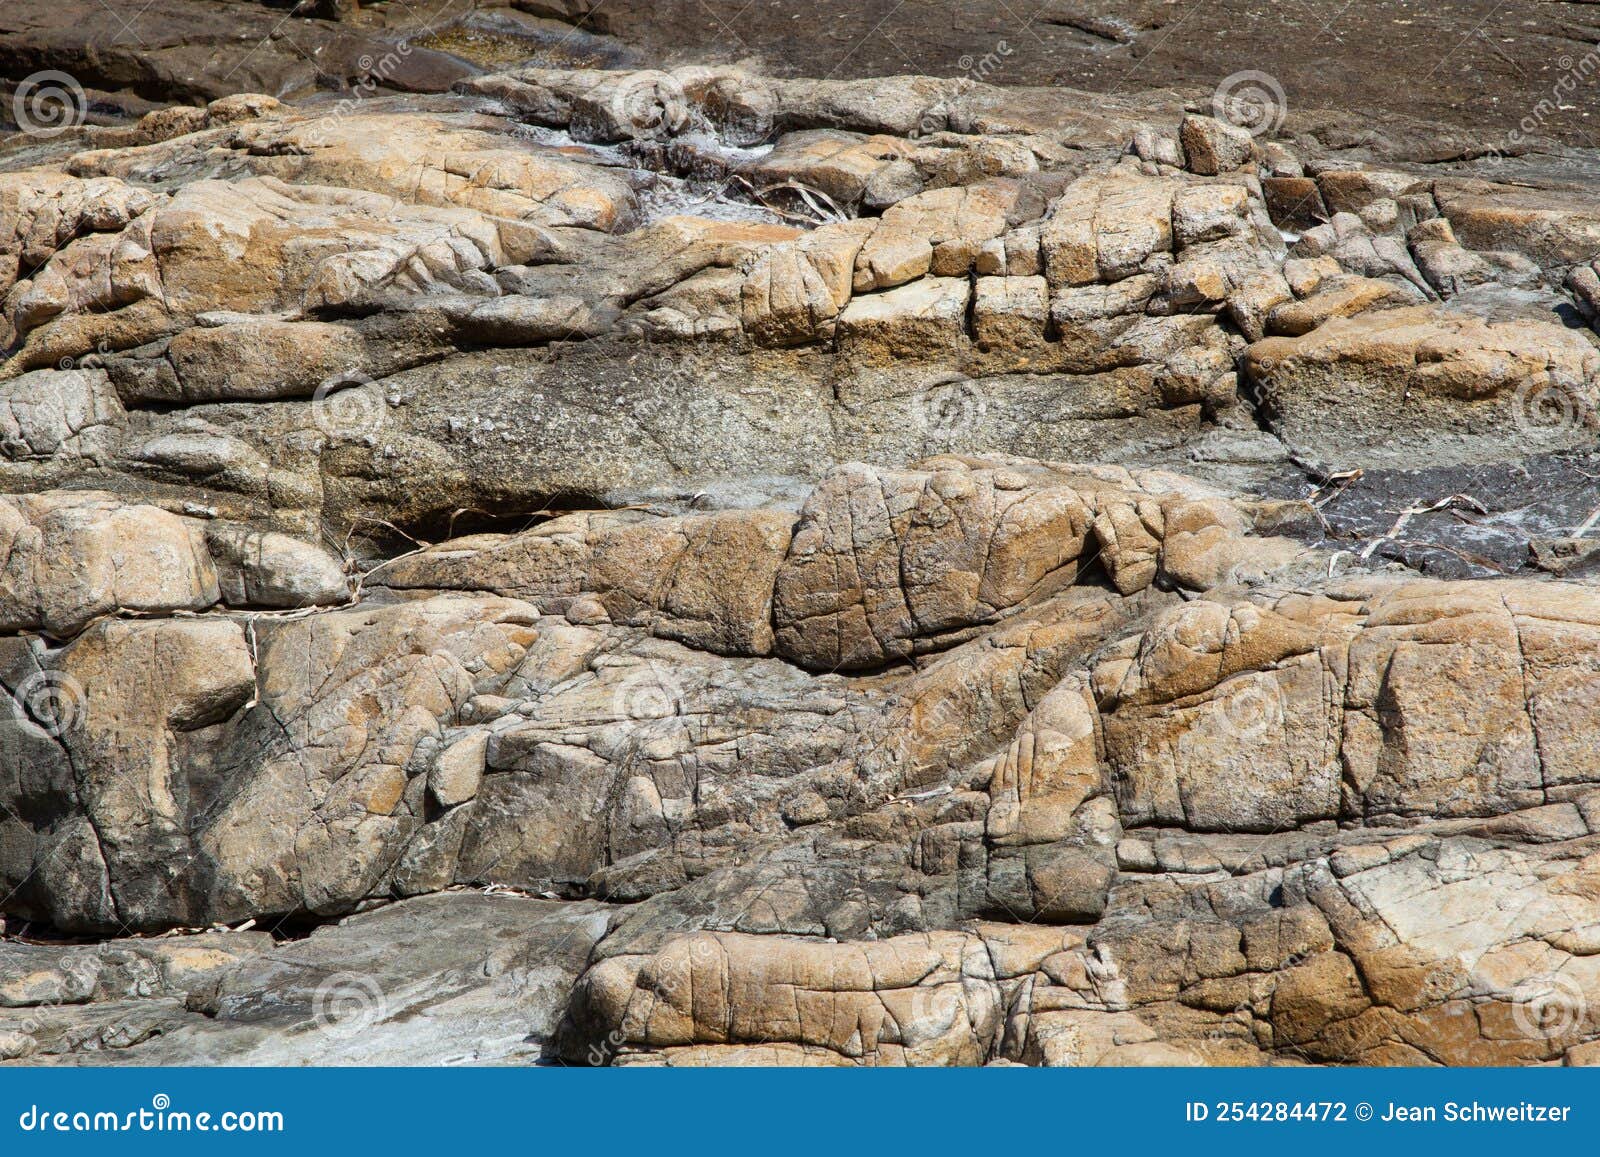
(1374, 383)
(1009, 313)
(922, 321)
(1211, 146)
(880, 558)
(65, 413)
(71, 556)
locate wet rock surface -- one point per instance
(549, 560)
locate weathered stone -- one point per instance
(1211, 146)
(264, 569)
(73, 556)
(527, 489)
(1376, 382)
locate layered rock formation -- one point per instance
(858, 571)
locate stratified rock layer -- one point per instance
(858, 572)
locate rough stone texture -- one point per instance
(1380, 380)
(626, 566)
(451, 979)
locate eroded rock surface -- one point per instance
(606, 565)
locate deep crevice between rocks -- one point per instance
(394, 537)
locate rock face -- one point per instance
(620, 566)
(1383, 379)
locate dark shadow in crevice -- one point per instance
(398, 536)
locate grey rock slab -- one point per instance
(452, 978)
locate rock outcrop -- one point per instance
(623, 566)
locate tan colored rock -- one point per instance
(1205, 213)
(924, 320)
(1050, 770)
(1211, 146)
(1009, 313)
(467, 166)
(977, 760)
(1107, 227)
(1376, 707)
(1294, 201)
(358, 692)
(95, 273)
(71, 414)
(940, 231)
(266, 569)
(190, 676)
(842, 165)
(879, 559)
(1252, 303)
(1338, 296)
(456, 775)
(794, 291)
(71, 556)
(259, 360)
(1449, 267)
(1553, 228)
(258, 246)
(908, 1000)
(706, 580)
(41, 211)
(1373, 383)
(1205, 544)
